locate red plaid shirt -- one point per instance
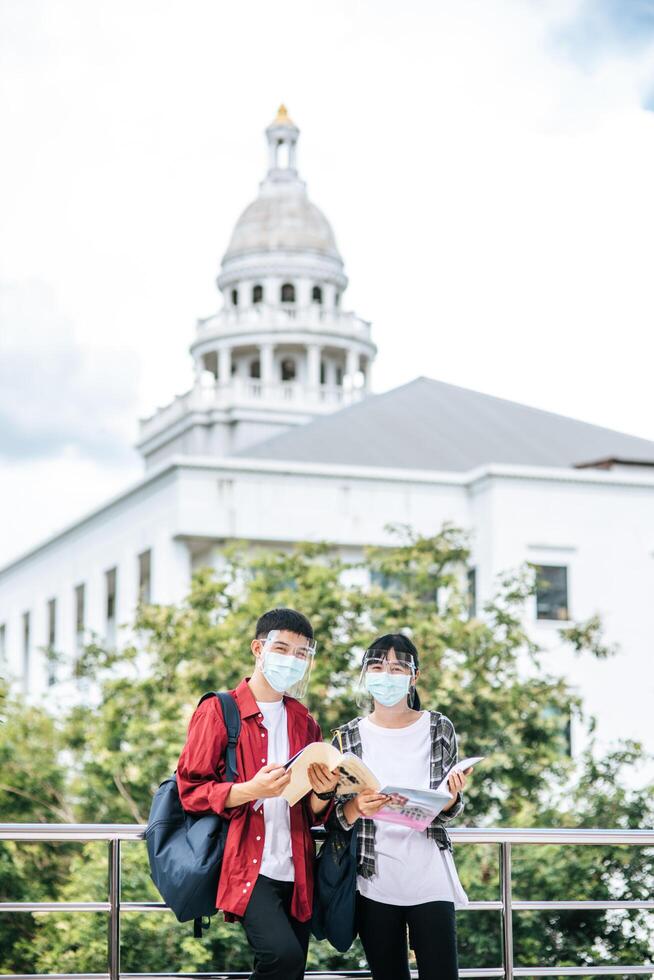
(202, 786)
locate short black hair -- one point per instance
(284, 619)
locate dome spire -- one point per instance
(282, 135)
(282, 118)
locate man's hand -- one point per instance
(270, 781)
(321, 779)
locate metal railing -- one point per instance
(115, 834)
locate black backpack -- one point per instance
(186, 849)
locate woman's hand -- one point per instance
(321, 779)
(457, 780)
(366, 804)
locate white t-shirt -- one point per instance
(277, 858)
(411, 868)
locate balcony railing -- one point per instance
(250, 392)
(115, 834)
(262, 316)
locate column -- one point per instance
(313, 369)
(366, 374)
(224, 365)
(351, 365)
(266, 352)
(198, 368)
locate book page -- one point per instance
(299, 764)
(355, 775)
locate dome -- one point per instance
(280, 222)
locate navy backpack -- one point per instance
(186, 849)
(335, 885)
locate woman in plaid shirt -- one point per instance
(405, 878)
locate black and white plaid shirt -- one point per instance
(444, 754)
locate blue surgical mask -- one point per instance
(282, 671)
(388, 689)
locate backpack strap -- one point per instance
(232, 719)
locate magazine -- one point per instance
(416, 808)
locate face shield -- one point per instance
(386, 679)
(287, 666)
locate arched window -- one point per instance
(255, 368)
(234, 297)
(288, 293)
(257, 294)
(288, 369)
(316, 294)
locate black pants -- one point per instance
(432, 931)
(279, 942)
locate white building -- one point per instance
(279, 440)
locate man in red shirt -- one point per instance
(266, 880)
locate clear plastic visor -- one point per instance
(280, 648)
(378, 662)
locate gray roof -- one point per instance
(431, 425)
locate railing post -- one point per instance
(114, 913)
(507, 910)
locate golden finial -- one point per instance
(282, 118)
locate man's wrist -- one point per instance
(329, 795)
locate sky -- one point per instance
(486, 166)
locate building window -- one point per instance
(3, 643)
(339, 375)
(234, 297)
(27, 649)
(288, 369)
(563, 722)
(79, 616)
(337, 299)
(552, 592)
(52, 641)
(110, 583)
(472, 592)
(257, 294)
(145, 577)
(255, 368)
(288, 293)
(316, 294)
(323, 373)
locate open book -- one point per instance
(354, 775)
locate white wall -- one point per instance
(112, 538)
